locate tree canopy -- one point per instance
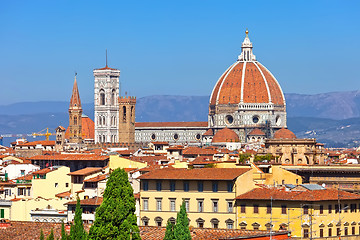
(181, 229)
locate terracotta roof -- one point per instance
(284, 134)
(170, 124)
(63, 194)
(225, 135)
(177, 147)
(34, 143)
(87, 128)
(195, 174)
(70, 157)
(257, 132)
(43, 171)
(85, 171)
(160, 143)
(248, 85)
(308, 195)
(209, 132)
(106, 68)
(126, 152)
(27, 177)
(156, 233)
(95, 201)
(98, 178)
(198, 151)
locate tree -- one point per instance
(42, 235)
(181, 229)
(77, 231)
(64, 236)
(51, 235)
(115, 218)
(169, 234)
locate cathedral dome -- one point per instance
(225, 135)
(284, 134)
(247, 81)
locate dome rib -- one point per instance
(242, 83)
(220, 88)
(265, 81)
(217, 85)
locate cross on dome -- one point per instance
(246, 54)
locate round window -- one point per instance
(278, 120)
(153, 136)
(255, 119)
(229, 119)
(176, 136)
(198, 136)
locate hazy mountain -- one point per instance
(330, 117)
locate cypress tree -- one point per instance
(181, 229)
(115, 218)
(77, 231)
(169, 234)
(42, 235)
(51, 235)
(64, 236)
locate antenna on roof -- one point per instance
(106, 56)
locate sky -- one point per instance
(173, 47)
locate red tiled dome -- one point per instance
(257, 132)
(87, 128)
(225, 135)
(247, 82)
(284, 134)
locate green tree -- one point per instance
(42, 237)
(169, 234)
(64, 235)
(51, 235)
(77, 231)
(181, 229)
(243, 157)
(115, 218)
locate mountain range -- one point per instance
(331, 118)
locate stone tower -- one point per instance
(127, 119)
(106, 92)
(75, 112)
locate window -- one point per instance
(172, 186)
(283, 209)
(145, 185)
(200, 186)
(346, 206)
(268, 209)
(321, 232)
(159, 205)
(186, 186)
(230, 186)
(338, 231)
(256, 208)
(102, 97)
(56, 184)
(337, 208)
(230, 207)
(172, 205)
(352, 207)
(330, 208)
(353, 230)
(321, 209)
(306, 209)
(229, 224)
(113, 97)
(158, 185)
(200, 205)
(215, 186)
(2, 213)
(306, 233)
(215, 223)
(256, 226)
(124, 113)
(200, 222)
(146, 204)
(66, 184)
(22, 172)
(346, 231)
(187, 205)
(242, 208)
(158, 221)
(330, 232)
(215, 205)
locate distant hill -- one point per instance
(333, 118)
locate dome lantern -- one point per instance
(246, 47)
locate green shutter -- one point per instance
(2, 213)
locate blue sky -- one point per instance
(173, 47)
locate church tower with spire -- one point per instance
(106, 92)
(75, 113)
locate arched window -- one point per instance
(99, 120)
(113, 93)
(124, 113)
(75, 120)
(102, 97)
(131, 113)
(104, 139)
(104, 122)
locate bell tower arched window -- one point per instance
(113, 93)
(102, 97)
(75, 120)
(124, 113)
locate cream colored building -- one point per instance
(208, 194)
(308, 211)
